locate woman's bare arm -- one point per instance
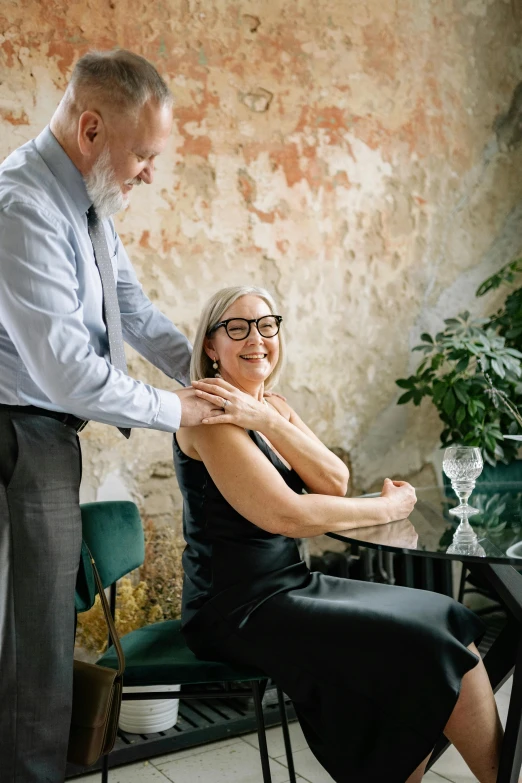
(320, 469)
(251, 484)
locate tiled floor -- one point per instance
(237, 761)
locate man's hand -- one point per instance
(194, 409)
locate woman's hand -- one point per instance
(238, 408)
(400, 498)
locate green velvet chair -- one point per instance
(157, 654)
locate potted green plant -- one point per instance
(472, 371)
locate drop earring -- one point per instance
(215, 366)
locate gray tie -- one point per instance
(111, 308)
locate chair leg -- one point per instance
(105, 768)
(462, 584)
(261, 733)
(286, 734)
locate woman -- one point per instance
(376, 672)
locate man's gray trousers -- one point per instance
(40, 539)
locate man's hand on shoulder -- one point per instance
(194, 409)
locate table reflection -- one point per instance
(401, 534)
(431, 529)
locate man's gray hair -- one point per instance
(121, 78)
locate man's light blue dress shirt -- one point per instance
(53, 341)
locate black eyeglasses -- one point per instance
(239, 328)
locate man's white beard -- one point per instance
(104, 189)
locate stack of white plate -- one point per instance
(148, 716)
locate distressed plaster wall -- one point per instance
(350, 155)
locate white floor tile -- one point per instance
(502, 700)
(275, 742)
(234, 763)
(432, 777)
(307, 765)
(209, 747)
(141, 772)
(452, 766)
(506, 688)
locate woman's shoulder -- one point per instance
(184, 438)
(280, 405)
(192, 441)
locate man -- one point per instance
(67, 291)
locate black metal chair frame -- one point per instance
(255, 690)
(478, 590)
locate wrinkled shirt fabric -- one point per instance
(54, 350)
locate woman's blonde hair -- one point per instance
(213, 311)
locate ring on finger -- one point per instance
(225, 403)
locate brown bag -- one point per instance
(96, 699)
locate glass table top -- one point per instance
(430, 528)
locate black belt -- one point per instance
(66, 418)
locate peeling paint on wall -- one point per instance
(360, 162)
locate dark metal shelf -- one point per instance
(199, 722)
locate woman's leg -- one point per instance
(474, 726)
(416, 776)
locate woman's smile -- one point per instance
(248, 362)
(253, 357)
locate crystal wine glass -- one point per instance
(463, 465)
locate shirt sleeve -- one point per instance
(43, 317)
(145, 327)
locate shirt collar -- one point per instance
(63, 169)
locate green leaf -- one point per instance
(427, 338)
(461, 393)
(505, 275)
(462, 364)
(449, 402)
(439, 390)
(496, 367)
(472, 408)
(405, 398)
(460, 415)
(499, 452)
(405, 383)
(487, 456)
(444, 435)
(490, 442)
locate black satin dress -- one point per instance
(373, 670)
